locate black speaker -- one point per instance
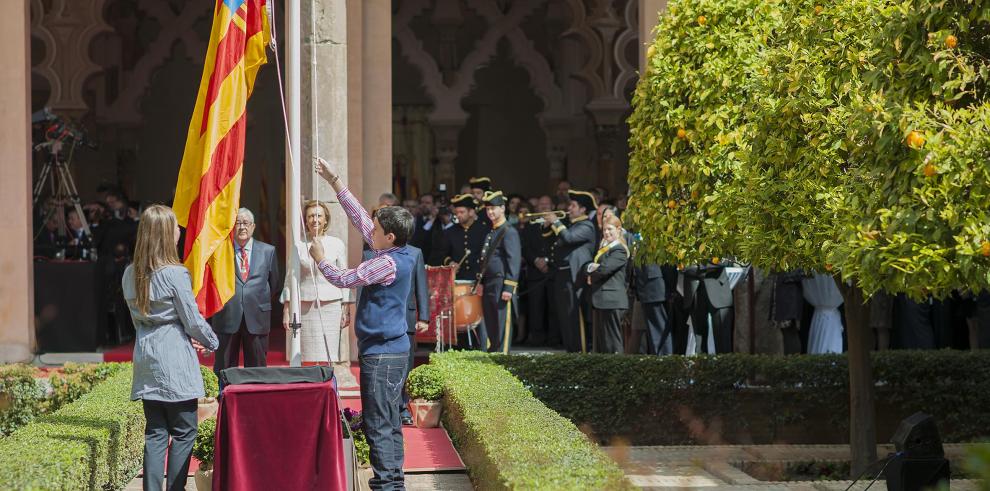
(920, 459)
(907, 474)
(917, 437)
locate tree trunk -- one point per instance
(862, 406)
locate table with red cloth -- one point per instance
(279, 436)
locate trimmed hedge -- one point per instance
(25, 398)
(93, 443)
(741, 398)
(511, 440)
(21, 397)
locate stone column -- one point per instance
(369, 96)
(376, 75)
(648, 18)
(17, 287)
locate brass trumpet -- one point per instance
(539, 216)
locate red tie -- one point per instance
(244, 265)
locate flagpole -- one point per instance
(293, 53)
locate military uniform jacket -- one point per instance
(608, 282)
(575, 245)
(506, 258)
(536, 242)
(458, 239)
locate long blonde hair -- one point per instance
(155, 249)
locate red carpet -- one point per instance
(426, 449)
(126, 353)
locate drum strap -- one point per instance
(496, 241)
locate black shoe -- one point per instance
(407, 420)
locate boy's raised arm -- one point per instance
(356, 213)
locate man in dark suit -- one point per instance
(465, 237)
(648, 281)
(537, 250)
(707, 295)
(246, 318)
(501, 260)
(575, 247)
(417, 317)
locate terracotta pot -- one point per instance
(204, 480)
(207, 408)
(426, 414)
(364, 475)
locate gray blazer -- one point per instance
(165, 364)
(252, 300)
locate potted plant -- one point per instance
(425, 386)
(208, 404)
(358, 455)
(203, 451)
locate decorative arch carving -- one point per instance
(627, 71)
(67, 29)
(447, 99)
(174, 28)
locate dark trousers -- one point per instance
(542, 326)
(659, 332)
(382, 379)
(163, 420)
(568, 309)
(409, 366)
(608, 330)
(498, 317)
(228, 354)
(721, 329)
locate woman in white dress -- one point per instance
(321, 309)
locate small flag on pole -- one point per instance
(208, 192)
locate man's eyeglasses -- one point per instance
(243, 224)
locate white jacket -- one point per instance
(335, 253)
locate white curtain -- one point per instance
(825, 335)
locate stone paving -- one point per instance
(710, 467)
(414, 482)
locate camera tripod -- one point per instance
(63, 189)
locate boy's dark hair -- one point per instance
(398, 221)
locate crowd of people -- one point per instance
(106, 234)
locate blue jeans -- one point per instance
(382, 379)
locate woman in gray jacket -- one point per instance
(170, 330)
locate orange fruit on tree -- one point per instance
(985, 248)
(671, 204)
(818, 9)
(951, 41)
(915, 139)
(681, 133)
(702, 20)
(930, 170)
(716, 260)
(828, 267)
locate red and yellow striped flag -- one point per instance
(209, 189)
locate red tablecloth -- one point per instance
(274, 437)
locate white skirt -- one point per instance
(314, 332)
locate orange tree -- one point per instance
(858, 145)
(690, 127)
(804, 170)
(924, 228)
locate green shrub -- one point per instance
(210, 383)
(661, 400)
(425, 382)
(76, 379)
(511, 440)
(203, 448)
(21, 397)
(92, 443)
